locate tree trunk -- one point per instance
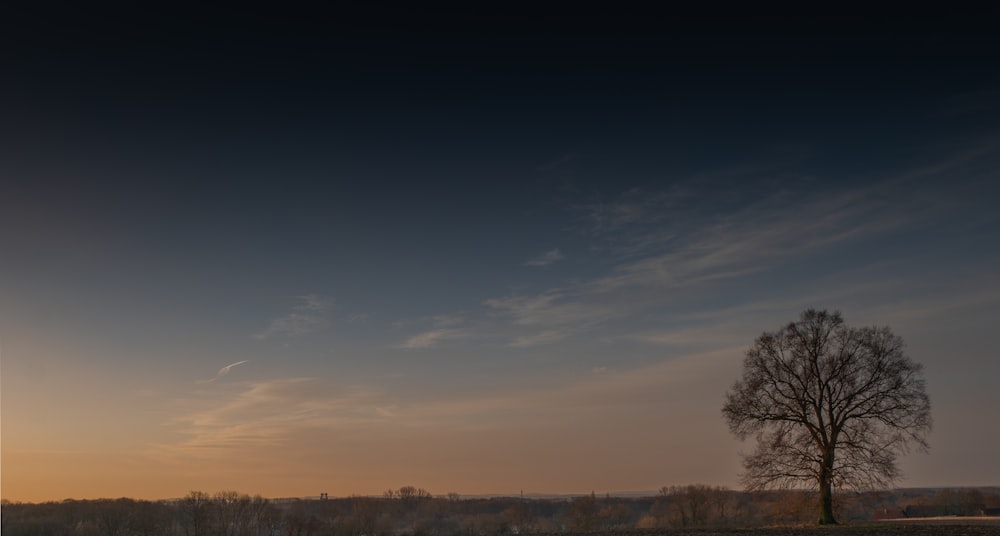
(826, 505)
(826, 490)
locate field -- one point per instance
(767, 514)
(970, 526)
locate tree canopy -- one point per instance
(829, 405)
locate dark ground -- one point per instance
(965, 527)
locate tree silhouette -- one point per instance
(830, 406)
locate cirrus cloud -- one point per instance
(306, 317)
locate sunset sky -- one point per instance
(292, 253)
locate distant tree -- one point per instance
(299, 521)
(687, 505)
(149, 518)
(583, 512)
(696, 505)
(5, 514)
(696, 499)
(723, 501)
(615, 516)
(518, 515)
(830, 406)
(227, 508)
(412, 493)
(364, 514)
(113, 517)
(195, 512)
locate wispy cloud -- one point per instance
(308, 316)
(438, 329)
(224, 371)
(252, 419)
(546, 318)
(255, 414)
(602, 387)
(752, 239)
(673, 253)
(546, 258)
(449, 320)
(557, 307)
(548, 336)
(431, 338)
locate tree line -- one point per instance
(411, 511)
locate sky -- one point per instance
(295, 252)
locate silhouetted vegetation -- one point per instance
(830, 406)
(415, 512)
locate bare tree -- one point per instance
(228, 512)
(195, 509)
(831, 406)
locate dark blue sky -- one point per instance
(459, 227)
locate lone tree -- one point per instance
(830, 406)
